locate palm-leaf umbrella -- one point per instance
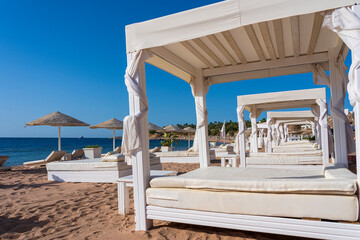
(110, 124)
(153, 127)
(57, 119)
(189, 130)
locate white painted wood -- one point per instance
(338, 124)
(105, 176)
(324, 137)
(274, 225)
(256, 74)
(200, 91)
(291, 61)
(123, 198)
(141, 162)
(254, 138)
(168, 56)
(242, 142)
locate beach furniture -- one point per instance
(127, 182)
(246, 40)
(94, 170)
(53, 156)
(77, 154)
(57, 119)
(3, 159)
(182, 156)
(223, 150)
(257, 103)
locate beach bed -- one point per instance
(92, 170)
(181, 156)
(251, 191)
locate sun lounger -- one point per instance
(77, 154)
(181, 156)
(223, 150)
(53, 156)
(3, 160)
(94, 170)
(290, 193)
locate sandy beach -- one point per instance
(34, 208)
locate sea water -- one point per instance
(23, 150)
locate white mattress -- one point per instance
(261, 191)
(290, 160)
(267, 180)
(180, 154)
(92, 165)
(332, 207)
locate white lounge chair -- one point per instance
(77, 154)
(53, 156)
(182, 156)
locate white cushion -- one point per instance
(117, 157)
(267, 180)
(332, 207)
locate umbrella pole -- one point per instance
(188, 140)
(59, 141)
(114, 139)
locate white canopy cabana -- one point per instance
(232, 41)
(257, 103)
(284, 118)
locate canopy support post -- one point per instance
(199, 92)
(324, 131)
(140, 162)
(59, 140)
(336, 87)
(269, 135)
(240, 141)
(254, 139)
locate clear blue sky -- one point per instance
(69, 56)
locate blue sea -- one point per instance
(22, 150)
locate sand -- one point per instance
(33, 208)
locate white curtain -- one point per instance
(242, 127)
(131, 143)
(269, 138)
(324, 127)
(346, 24)
(203, 112)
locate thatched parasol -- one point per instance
(153, 127)
(57, 119)
(189, 130)
(110, 124)
(172, 128)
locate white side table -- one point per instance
(125, 183)
(232, 159)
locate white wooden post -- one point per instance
(356, 9)
(59, 140)
(201, 118)
(254, 139)
(269, 135)
(338, 125)
(241, 136)
(141, 162)
(324, 131)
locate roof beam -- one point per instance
(254, 41)
(208, 51)
(272, 72)
(284, 62)
(279, 36)
(231, 41)
(213, 39)
(170, 57)
(267, 39)
(197, 54)
(295, 34)
(317, 24)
